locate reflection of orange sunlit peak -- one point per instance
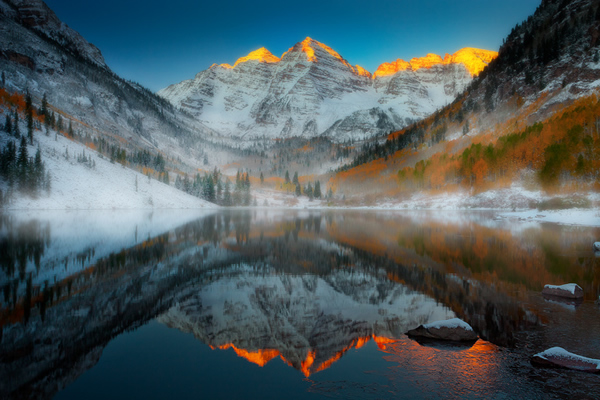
(307, 363)
(307, 366)
(382, 341)
(259, 357)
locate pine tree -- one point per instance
(309, 191)
(330, 193)
(3, 79)
(227, 193)
(28, 102)
(38, 174)
(219, 193)
(30, 125)
(298, 190)
(287, 177)
(16, 130)
(8, 125)
(262, 178)
(22, 163)
(317, 192)
(295, 180)
(71, 133)
(44, 109)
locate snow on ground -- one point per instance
(76, 185)
(574, 216)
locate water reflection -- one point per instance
(301, 287)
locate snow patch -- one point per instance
(449, 323)
(569, 287)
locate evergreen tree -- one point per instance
(262, 178)
(30, 125)
(38, 174)
(28, 102)
(209, 189)
(8, 125)
(22, 163)
(219, 193)
(309, 191)
(3, 79)
(44, 109)
(317, 192)
(227, 193)
(330, 193)
(71, 133)
(298, 190)
(59, 123)
(287, 177)
(295, 180)
(16, 130)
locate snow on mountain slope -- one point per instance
(76, 185)
(311, 90)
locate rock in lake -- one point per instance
(559, 357)
(570, 291)
(597, 246)
(452, 329)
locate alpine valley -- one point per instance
(476, 128)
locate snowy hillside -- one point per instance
(95, 184)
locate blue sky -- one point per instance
(157, 43)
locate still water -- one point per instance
(289, 304)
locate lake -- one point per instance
(294, 304)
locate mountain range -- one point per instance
(311, 90)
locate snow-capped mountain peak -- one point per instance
(312, 90)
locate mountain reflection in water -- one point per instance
(301, 287)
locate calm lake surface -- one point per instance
(275, 304)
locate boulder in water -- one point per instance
(559, 357)
(570, 291)
(452, 329)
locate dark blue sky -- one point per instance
(157, 43)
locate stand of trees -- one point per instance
(216, 188)
(17, 168)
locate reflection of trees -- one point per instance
(21, 244)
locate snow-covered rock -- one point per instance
(559, 357)
(597, 246)
(453, 329)
(569, 290)
(311, 90)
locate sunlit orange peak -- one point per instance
(261, 55)
(361, 71)
(475, 60)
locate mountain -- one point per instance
(42, 55)
(311, 90)
(525, 130)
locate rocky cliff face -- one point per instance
(35, 14)
(311, 90)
